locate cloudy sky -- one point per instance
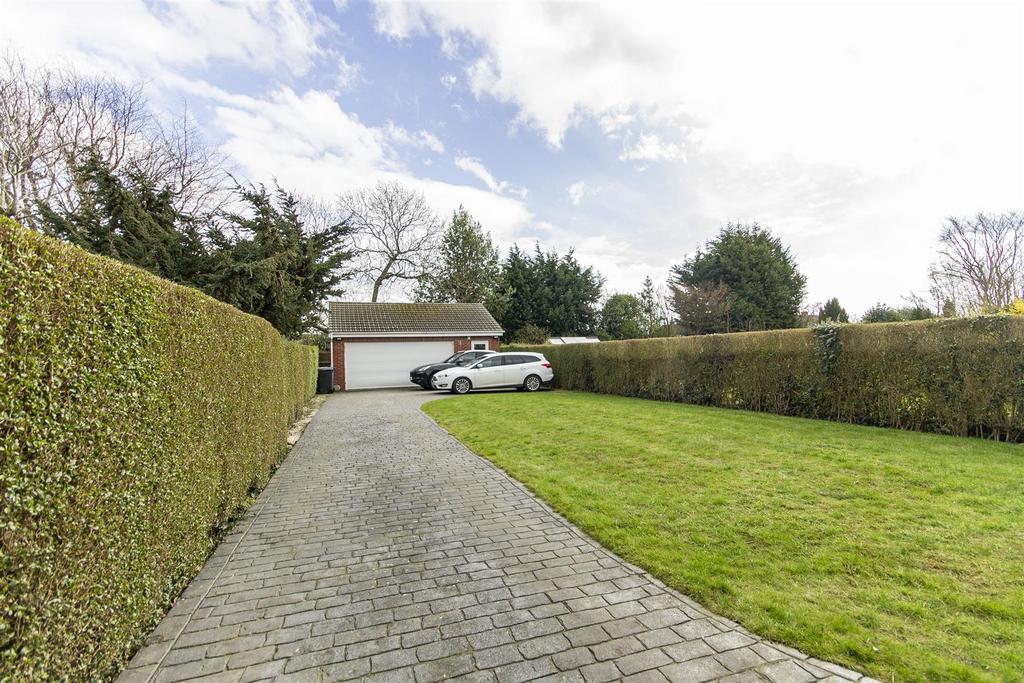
(631, 131)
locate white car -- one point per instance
(519, 369)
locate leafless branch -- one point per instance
(396, 231)
(703, 310)
(51, 120)
(981, 262)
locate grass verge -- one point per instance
(896, 553)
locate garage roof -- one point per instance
(350, 319)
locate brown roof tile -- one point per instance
(348, 318)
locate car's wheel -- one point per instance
(461, 386)
(532, 383)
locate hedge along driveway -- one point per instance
(959, 376)
(137, 417)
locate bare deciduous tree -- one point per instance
(195, 174)
(52, 120)
(981, 262)
(28, 115)
(703, 309)
(395, 232)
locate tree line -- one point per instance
(747, 279)
(85, 160)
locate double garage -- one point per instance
(375, 345)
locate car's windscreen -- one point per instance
(468, 359)
(454, 358)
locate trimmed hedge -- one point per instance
(137, 417)
(954, 376)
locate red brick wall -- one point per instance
(338, 349)
(338, 346)
(463, 344)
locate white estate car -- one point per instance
(518, 369)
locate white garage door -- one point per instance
(373, 365)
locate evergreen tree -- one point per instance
(763, 283)
(833, 312)
(267, 262)
(880, 313)
(622, 317)
(264, 261)
(555, 293)
(650, 313)
(567, 294)
(129, 219)
(469, 266)
(516, 284)
(531, 334)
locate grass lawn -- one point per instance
(896, 553)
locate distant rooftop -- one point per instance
(370, 319)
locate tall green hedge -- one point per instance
(955, 376)
(137, 417)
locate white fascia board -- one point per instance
(399, 335)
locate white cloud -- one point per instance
(303, 138)
(476, 167)
(577, 191)
(669, 63)
(348, 73)
(844, 126)
(309, 141)
(136, 38)
(420, 138)
(650, 147)
(613, 123)
(399, 20)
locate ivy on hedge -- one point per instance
(954, 376)
(137, 417)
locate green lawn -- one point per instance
(897, 553)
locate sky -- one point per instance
(629, 131)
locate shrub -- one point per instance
(880, 313)
(532, 334)
(955, 376)
(137, 418)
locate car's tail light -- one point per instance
(547, 365)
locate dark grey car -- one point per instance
(424, 373)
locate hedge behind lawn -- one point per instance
(955, 376)
(137, 417)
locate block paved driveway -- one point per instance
(383, 549)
